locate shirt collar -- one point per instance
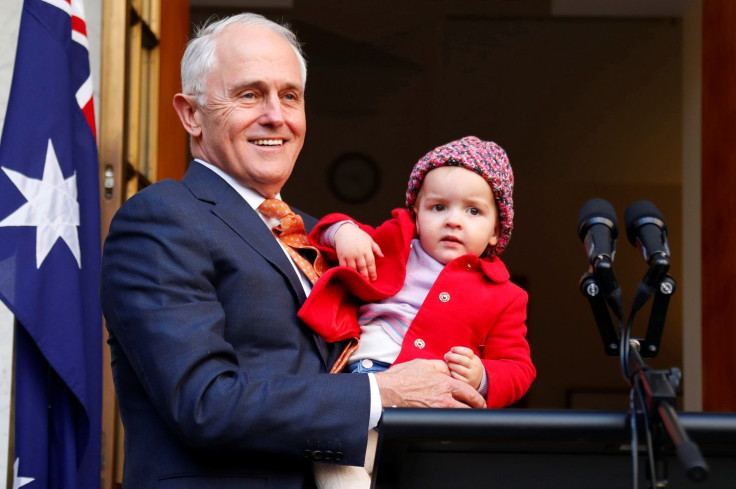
(253, 198)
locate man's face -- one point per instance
(253, 123)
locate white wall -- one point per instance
(6, 359)
(9, 19)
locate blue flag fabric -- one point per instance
(50, 250)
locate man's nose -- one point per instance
(272, 112)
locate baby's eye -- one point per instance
(473, 211)
(438, 207)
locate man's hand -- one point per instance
(357, 250)
(425, 383)
(465, 365)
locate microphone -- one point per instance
(597, 229)
(646, 230)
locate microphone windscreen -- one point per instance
(597, 211)
(640, 213)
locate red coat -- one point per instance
(472, 303)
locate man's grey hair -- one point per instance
(199, 56)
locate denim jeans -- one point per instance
(366, 366)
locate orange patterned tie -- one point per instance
(292, 233)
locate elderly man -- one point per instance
(219, 384)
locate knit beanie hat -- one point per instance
(485, 158)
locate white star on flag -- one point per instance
(19, 482)
(52, 207)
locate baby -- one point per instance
(428, 283)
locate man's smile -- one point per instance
(268, 142)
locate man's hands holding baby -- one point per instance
(425, 383)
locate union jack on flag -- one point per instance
(50, 250)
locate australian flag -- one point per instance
(50, 250)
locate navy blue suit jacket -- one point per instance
(218, 382)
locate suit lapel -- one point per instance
(234, 211)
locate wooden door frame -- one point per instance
(718, 235)
(111, 158)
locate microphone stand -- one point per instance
(659, 391)
(656, 389)
(590, 289)
(657, 316)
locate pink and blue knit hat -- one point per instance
(485, 158)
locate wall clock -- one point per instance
(353, 177)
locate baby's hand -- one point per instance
(465, 365)
(357, 250)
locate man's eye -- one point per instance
(290, 97)
(249, 95)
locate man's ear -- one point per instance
(186, 108)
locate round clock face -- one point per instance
(354, 177)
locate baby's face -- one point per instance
(455, 214)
